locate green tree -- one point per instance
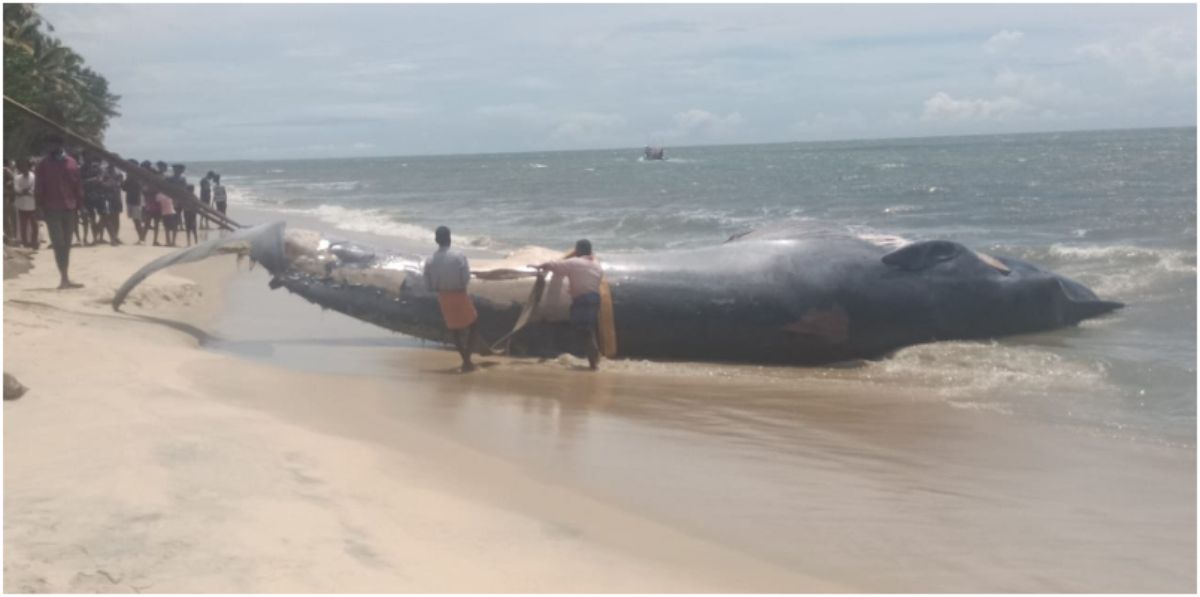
(50, 78)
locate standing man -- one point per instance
(27, 225)
(10, 210)
(447, 273)
(189, 221)
(206, 194)
(58, 191)
(583, 274)
(219, 193)
(178, 179)
(133, 203)
(151, 215)
(112, 197)
(95, 205)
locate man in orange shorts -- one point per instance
(447, 273)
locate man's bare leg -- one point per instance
(475, 341)
(590, 347)
(462, 342)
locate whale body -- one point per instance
(793, 295)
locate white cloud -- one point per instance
(584, 126)
(823, 124)
(705, 122)
(554, 77)
(1034, 89)
(942, 107)
(520, 112)
(1161, 52)
(1002, 41)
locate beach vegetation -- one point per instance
(51, 78)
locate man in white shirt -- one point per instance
(27, 225)
(583, 274)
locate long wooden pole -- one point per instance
(146, 177)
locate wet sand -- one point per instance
(888, 490)
(533, 476)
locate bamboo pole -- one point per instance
(146, 177)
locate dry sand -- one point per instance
(133, 464)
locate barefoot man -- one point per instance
(58, 192)
(447, 273)
(583, 274)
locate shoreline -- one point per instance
(144, 468)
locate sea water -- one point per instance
(1115, 210)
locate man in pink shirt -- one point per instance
(583, 274)
(58, 193)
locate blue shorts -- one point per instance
(585, 309)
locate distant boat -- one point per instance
(654, 153)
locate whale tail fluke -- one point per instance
(264, 244)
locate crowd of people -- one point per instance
(79, 199)
(78, 196)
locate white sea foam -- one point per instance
(239, 195)
(971, 370)
(1124, 270)
(338, 185)
(373, 221)
(1169, 260)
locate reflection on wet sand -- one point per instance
(882, 487)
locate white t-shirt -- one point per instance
(23, 187)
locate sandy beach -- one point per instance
(134, 464)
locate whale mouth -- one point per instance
(1078, 311)
(1081, 303)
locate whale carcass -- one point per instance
(792, 295)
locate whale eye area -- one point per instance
(922, 255)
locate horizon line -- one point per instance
(698, 146)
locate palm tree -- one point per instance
(51, 78)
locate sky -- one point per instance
(228, 81)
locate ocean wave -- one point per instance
(337, 185)
(372, 221)
(239, 195)
(1169, 260)
(1125, 270)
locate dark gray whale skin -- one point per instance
(825, 299)
(789, 297)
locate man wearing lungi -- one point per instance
(447, 273)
